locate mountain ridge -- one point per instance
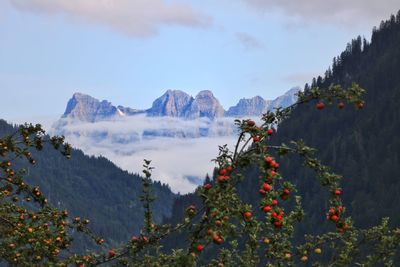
(174, 103)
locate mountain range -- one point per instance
(174, 103)
(168, 132)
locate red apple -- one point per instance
(229, 169)
(207, 186)
(334, 218)
(320, 105)
(250, 123)
(111, 253)
(267, 208)
(267, 187)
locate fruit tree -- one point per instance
(223, 230)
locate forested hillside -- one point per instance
(94, 188)
(362, 146)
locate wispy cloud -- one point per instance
(183, 154)
(343, 12)
(248, 41)
(138, 18)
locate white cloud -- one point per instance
(248, 41)
(344, 12)
(185, 153)
(139, 18)
(174, 159)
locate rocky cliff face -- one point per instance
(173, 103)
(205, 105)
(86, 108)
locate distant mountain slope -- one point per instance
(256, 106)
(285, 100)
(248, 106)
(94, 188)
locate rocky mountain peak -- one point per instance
(86, 108)
(172, 103)
(205, 93)
(205, 105)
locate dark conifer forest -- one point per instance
(94, 188)
(362, 146)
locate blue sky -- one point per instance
(131, 51)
